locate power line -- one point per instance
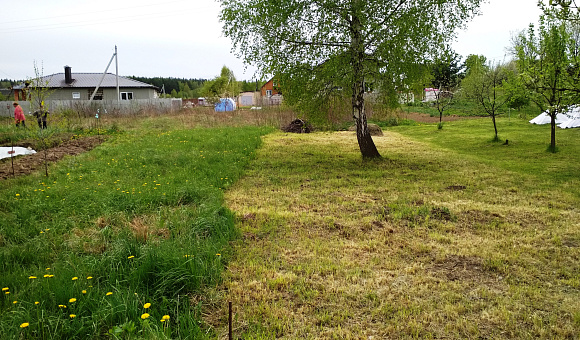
(94, 12)
(95, 22)
(88, 23)
(117, 19)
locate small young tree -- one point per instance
(38, 92)
(446, 74)
(549, 66)
(443, 101)
(485, 86)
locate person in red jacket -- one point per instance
(19, 115)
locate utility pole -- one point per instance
(103, 77)
(117, 67)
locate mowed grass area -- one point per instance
(122, 241)
(449, 236)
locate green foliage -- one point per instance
(549, 66)
(563, 9)
(178, 84)
(140, 217)
(446, 71)
(327, 51)
(223, 86)
(486, 85)
(474, 62)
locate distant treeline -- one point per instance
(6, 83)
(187, 88)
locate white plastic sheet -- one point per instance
(18, 150)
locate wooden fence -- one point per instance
(136, 106)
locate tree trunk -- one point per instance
(365, 141)
(553, 132)
(494, 125)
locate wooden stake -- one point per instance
(230, 334)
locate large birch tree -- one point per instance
(319, 48)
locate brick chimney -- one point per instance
(68, 75)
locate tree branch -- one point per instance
(304, 42)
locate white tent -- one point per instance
(544, 118)
(5, 152)
(573, 119)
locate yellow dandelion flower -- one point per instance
(5, 289)
(48, 268)
(32, 277)
(165, 317)
(72, 316)
(36, 302)
(109, 293)
(130, 257)
(84, 291)
(144, 316)
(24, 325)
(71, 300)
(218, 254)
(15, 302)
(6, 293)
(147, 305)
(75, 278)
(17, 194)
(89, 277)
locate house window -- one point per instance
(269, 93)
(76, 95)
(126, 95)
(98, 95)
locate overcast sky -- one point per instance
(175, 38)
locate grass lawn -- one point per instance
(123, 240)
(449, 236)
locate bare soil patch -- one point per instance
(24, 165)
(425, 118)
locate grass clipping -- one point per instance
(422, 244)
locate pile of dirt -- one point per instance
(24, 165)
(298, 126)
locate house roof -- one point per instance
(89, 80)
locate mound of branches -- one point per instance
(298, 126)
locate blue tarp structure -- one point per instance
(225, 104)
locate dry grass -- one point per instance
(423, 244)
(203, 117)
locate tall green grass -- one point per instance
(525, 152)
(137, 220)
